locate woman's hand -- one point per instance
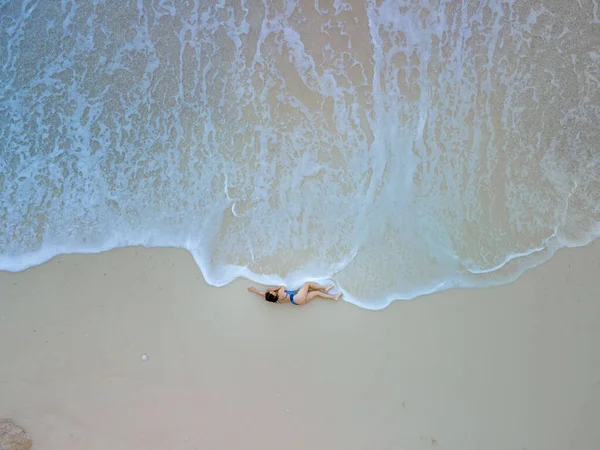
(256, 291)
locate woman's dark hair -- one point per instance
(271, 297)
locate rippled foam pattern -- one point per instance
(395, 147)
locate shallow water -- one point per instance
(395, 147)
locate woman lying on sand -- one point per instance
(308, 292)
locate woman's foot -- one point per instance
(328, 288)
(338, 295)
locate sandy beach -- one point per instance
(513, 367)
(395, 147)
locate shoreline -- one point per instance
(513, 366)
(244, 273)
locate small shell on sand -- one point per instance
(144, 357)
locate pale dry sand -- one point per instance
(515, 367)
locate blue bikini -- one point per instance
(291, 294)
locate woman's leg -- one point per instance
(304, 295)
(318, 294)
(317, 287)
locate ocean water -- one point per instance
(395, 147)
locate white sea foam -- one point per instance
(397, 148)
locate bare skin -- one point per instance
(308, 292)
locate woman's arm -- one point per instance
(256, 291)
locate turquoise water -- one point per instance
(395, 147)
